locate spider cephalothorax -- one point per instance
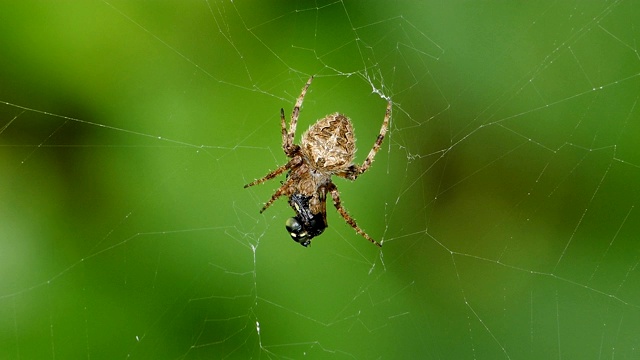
(327, 148)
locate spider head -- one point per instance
(303, 231)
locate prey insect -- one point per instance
(327, 148)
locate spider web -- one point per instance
(505, 192)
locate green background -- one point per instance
(506, 192)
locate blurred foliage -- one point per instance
(506, 190)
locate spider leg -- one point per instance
(281, 191)
(286, 145)
(292, 163)
(295, 161)
(376, 146)
(354, 171)
(287, 141)
(336, 202)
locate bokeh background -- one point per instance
(506, 192)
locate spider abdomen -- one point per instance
(330, 144)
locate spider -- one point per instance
(327, 148)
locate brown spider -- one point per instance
(326, 149)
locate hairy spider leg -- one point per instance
(287, 146)
(295, 161)
(354, 171)
(335, 195)
(281, 190)
(291, 163)
(287, 141)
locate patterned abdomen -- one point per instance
(330, 143)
